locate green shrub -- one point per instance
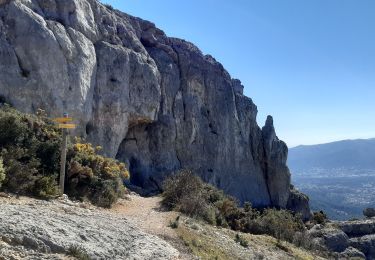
(302, 239)
(45, 187)
(20, 177)
(49, 155)
(24, 140)
(319, 217)
(187, 193)
(78, 252)
(30, 151)
(174, 224)
(280, 224)
(106, 192)
(179, 188)
(14, 128)
(240, 239)
(247, 207)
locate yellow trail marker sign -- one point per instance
(63, 119)
(67, 126)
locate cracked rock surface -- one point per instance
(47, 230)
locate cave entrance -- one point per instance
(134, 151)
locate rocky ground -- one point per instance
(138, 228)
(135, 228)
(34, 229)
(349, 239)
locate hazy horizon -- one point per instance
(309, 64)
(343, 140)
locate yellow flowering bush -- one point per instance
(94, 176)
(107, 168)
(85, 148)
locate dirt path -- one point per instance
(148, 215)
(197, 238)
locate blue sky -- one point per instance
(310, 64)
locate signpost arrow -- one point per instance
(63, 119)
(67, 126)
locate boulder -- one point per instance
(357, 228)
(328, 238)
(365, 244)
(299, 202)
(352, 253)
(369, 212)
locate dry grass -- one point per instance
(209, 242)
(203, 246)
(197, 239)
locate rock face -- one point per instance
(351, 239)
(297, 203)
(332, 239)
(152, 101)
(358, 228)
(365, 244)
(362, 235)
(352, 253)
(48, 230)
(369, 212)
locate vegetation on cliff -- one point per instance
(29, 161)
(187, 193)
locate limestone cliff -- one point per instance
(152, 101)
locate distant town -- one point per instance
(341, 192)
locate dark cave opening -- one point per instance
(89, 128)
(135, 176)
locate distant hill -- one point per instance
(358, 154)
(338, 177)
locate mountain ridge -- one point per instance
(331, 142)
(355, 153)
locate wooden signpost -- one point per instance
(63, 124)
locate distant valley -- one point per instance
(338, 177)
